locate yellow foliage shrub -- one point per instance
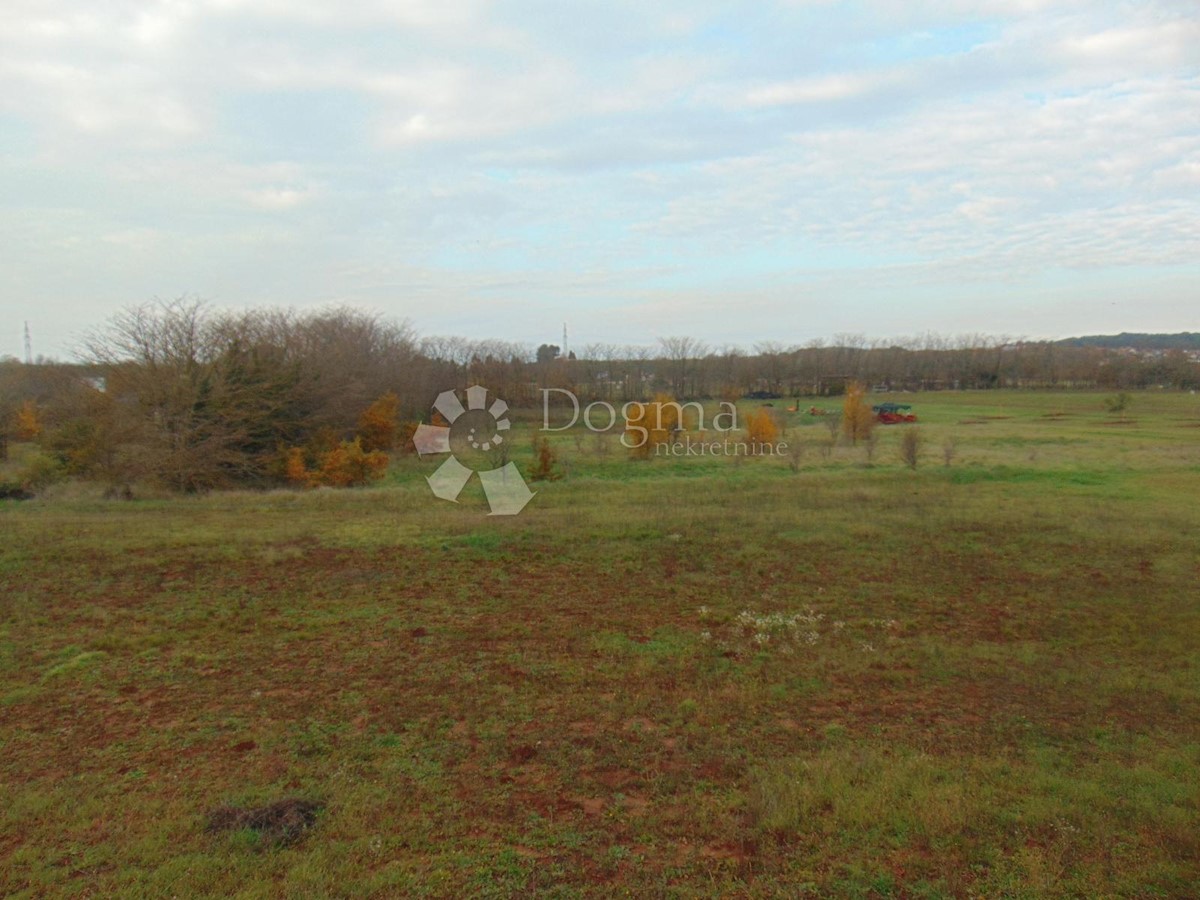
(346, 465)
(857, 418)
(27, 424)
(349, 464)
(295, 469)
(761, 429)
(648, 424)
(378, 426)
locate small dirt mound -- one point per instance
(282, 822)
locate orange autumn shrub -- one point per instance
(345, 465)
(378, 426)
(27, 425)
(349, 465)
(761, 428)
(295, 468)
(857, 418)
(545, 465)
(649, 424)
(404, 437)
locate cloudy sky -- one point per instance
(734, 172)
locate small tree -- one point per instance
(795, 455)
(869, 444)
(833, 425)
(545, 464)
(1118, 404)
(949, 448)
(858, 421)
(910, 446)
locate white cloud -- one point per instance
(277, 198)
(1168, 43)
(819, 89)
(594, 153)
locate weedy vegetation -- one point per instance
(792, 676)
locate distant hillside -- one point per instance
(1185, 340)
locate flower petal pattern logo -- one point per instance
(478, 433)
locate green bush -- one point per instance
(39, 472)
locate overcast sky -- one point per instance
(733, 172)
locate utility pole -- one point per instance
(564, 350)
(28, 346)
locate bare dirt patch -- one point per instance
(281, 823)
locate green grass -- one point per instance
(672, 677)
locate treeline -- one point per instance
(688, 368)
(195, 398)
(1184, 340)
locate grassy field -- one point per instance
(687, 677)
